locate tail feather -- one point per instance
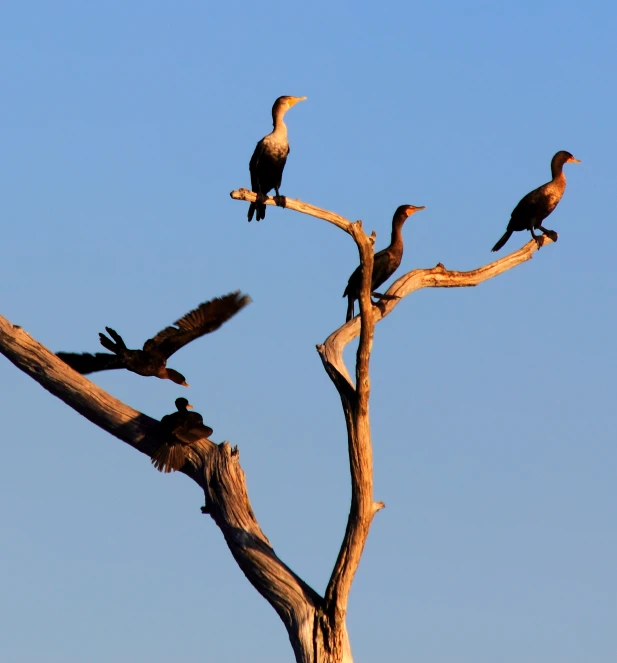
(350, 307)
(506, 236)
(260, 208)
(169, 457)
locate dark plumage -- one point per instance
(539, 203)
(152, 359)
(385, 263)
(268, 160)
(179, 430)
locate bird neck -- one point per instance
(280, 128)
(557, 171)
(396, 241)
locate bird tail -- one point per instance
(260, 208)
(502, 241)
(350, 307)
(109, 344)
(169, 457)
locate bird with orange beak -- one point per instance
(269, 158)
(385, 263)
(539, 203)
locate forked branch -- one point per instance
(354, 398)
(435, 277)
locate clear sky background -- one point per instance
(123, 128)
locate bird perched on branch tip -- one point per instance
(539, 203)
(269, 158)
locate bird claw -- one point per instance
(281, 201)
(552, 234)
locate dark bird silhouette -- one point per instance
(539, 203)
(152, 359)
(180, 429)
(385, 263)
(268, 160)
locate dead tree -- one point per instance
(315, 623)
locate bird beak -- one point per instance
(573, 160)
(185, 384)
(294, 100)
(412, 209)
(189, 406)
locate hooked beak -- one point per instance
(189, 406)
(294, 100)
(185, 384)
(573, 160)
(412, 209)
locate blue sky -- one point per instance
(123, 129)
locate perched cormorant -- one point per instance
(386, 261)
(182, 426)
(539, 203)
(268, 160)
(206, 318)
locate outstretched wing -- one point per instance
(86, 363)
(204, 319)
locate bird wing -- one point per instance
(254, 165)
(531, 205)
(206, 318)
(87, 363)
(194, 433)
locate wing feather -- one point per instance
(206, 318)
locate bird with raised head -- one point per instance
(178, 430)
(385, 263)
(269, 158)
(539, 203)
(152, 359)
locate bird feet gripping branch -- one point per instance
(550, 233)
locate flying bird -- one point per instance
(268, 160)
(179, 429)
(385, 263)
(152, 359)
(539, 203)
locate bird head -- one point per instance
(283, 104)
(183, 404)
(405, 211)
(176, 377)
(563, 156)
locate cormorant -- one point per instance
(206, 318)
(385, 263)
(181, 426)
(268, 160)
(539, 203)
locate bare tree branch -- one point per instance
(215, 468)
(296, 205)
(435, 277)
